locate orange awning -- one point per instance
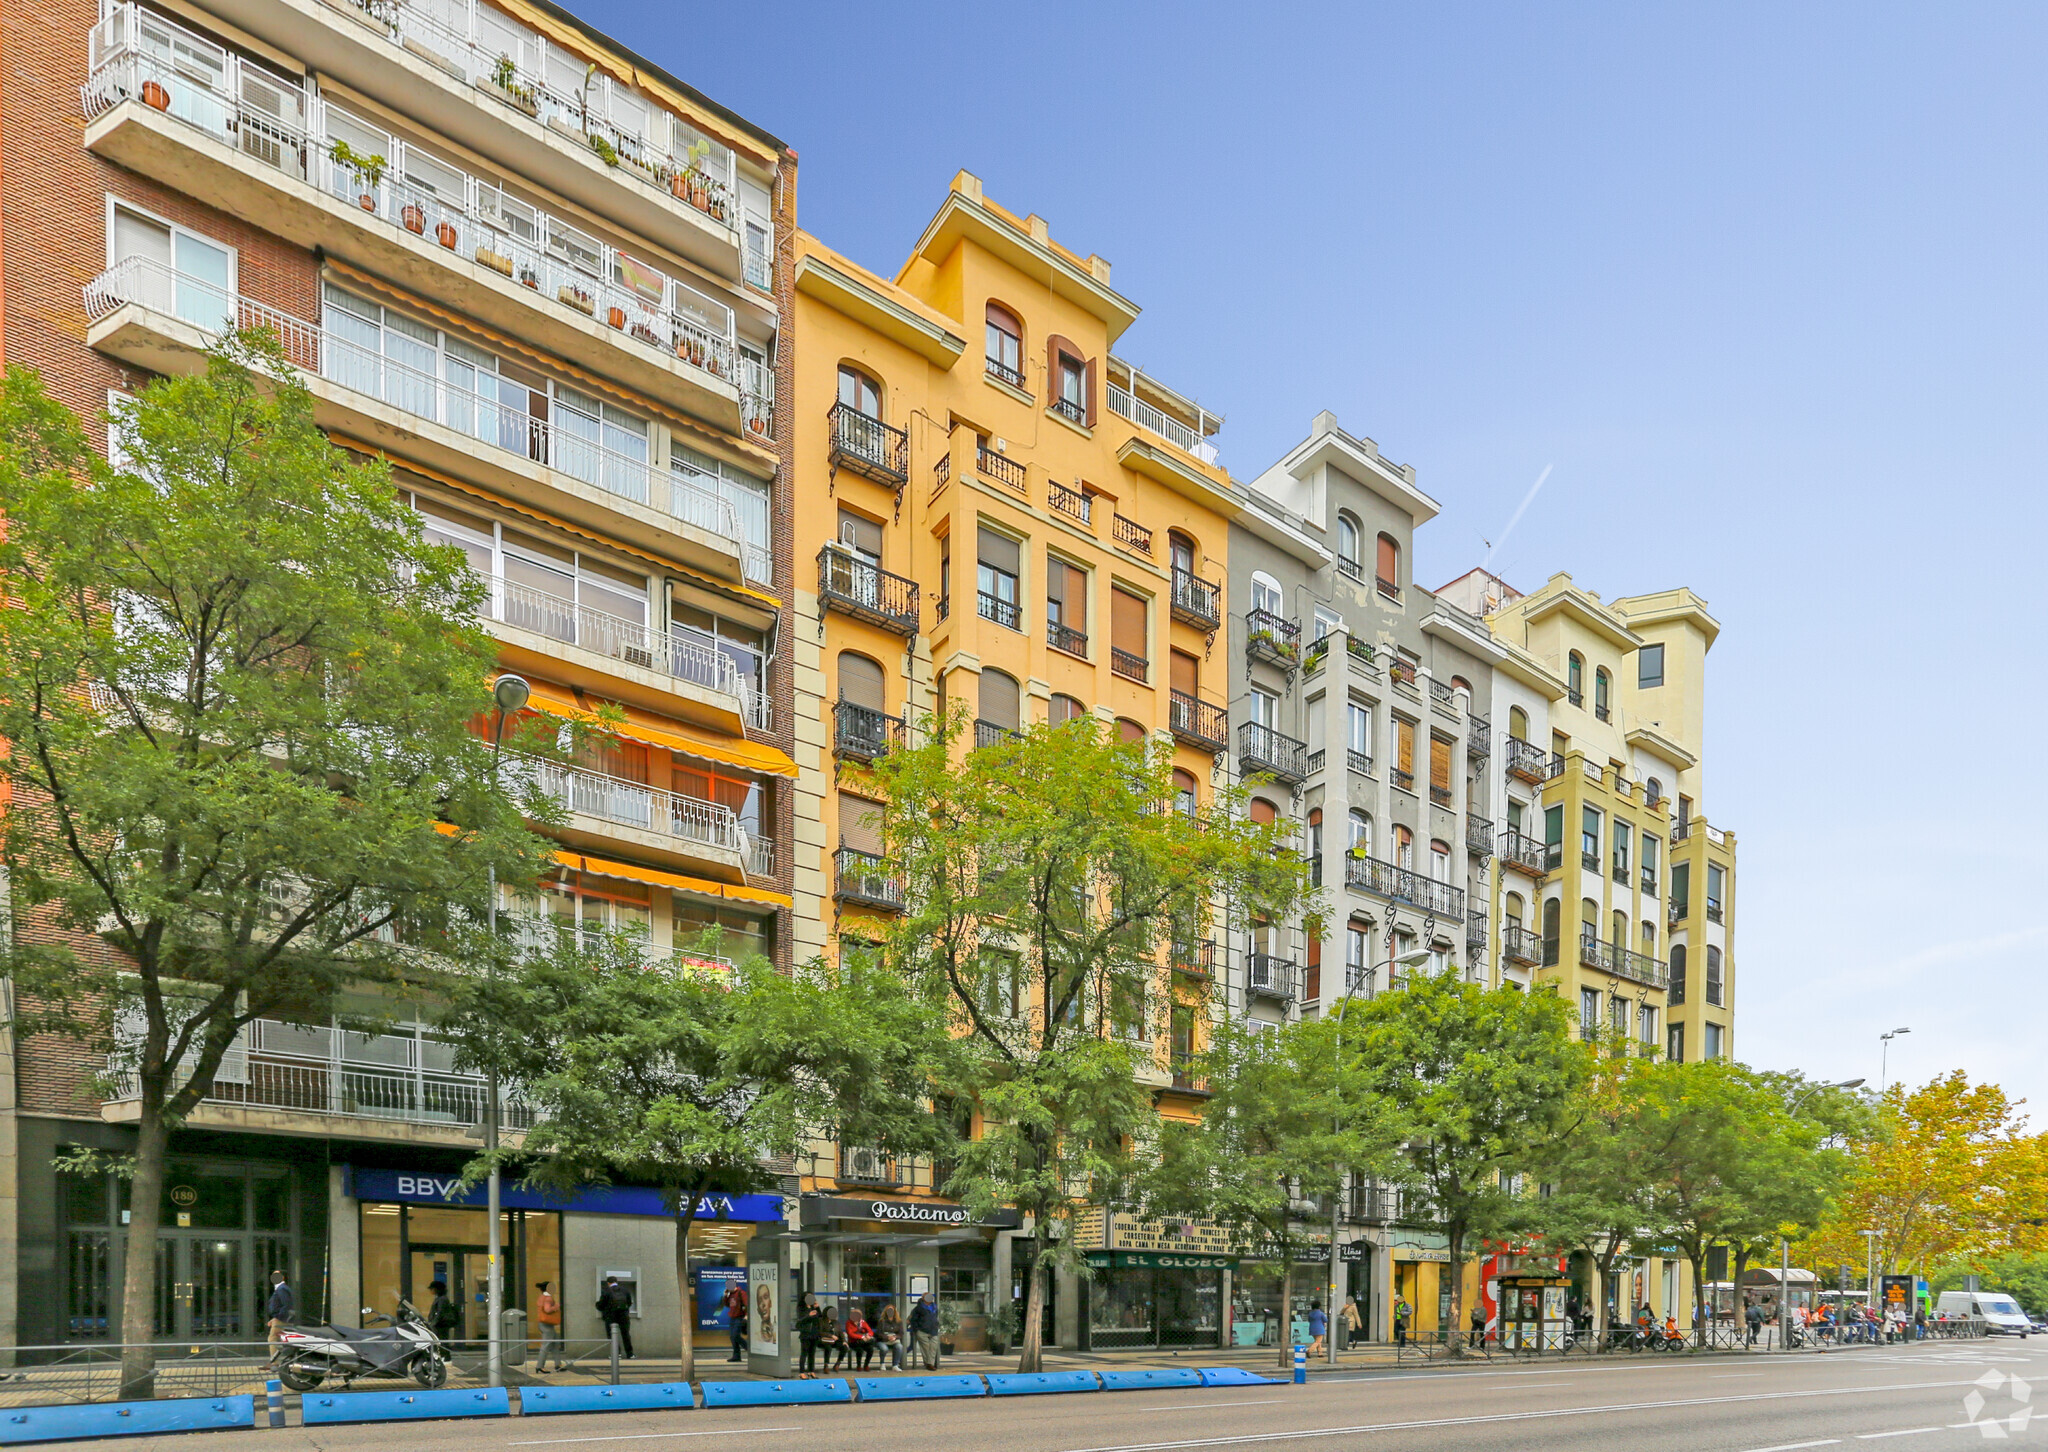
(655, 877)
(669, 735)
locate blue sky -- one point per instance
(1761, 284)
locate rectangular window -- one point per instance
(1650, 848)
(1650, 666)
(1327, 623)
(1265, 708)
(1710, 1041)
(1622, 834)
(1714, 877)
(1647, 1014)
(1358, 732)
(1589, 839)
(860, 825)
(1066, 606)
(1714, 976)
(1404, 754)
(1440, 768)
(1073, 388)
(1589, 1010)
(1618, 1015)
(999, 566)
(1314, 723)
(1389, 563)
(1674, 1043)
(1681, 888)
(173, 270)
(1127, 620)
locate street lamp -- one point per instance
(1884, 1042)
(511, 694)
(1406, 960)
(1784, 1242)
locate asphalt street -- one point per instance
(1936, 1396)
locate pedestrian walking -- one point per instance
(1318, 1328)
(278, 1310)
(615, 1309)
(1753, 1315)
(810, 1330)
(1400, 1322)
(1477, 1337)
(1348, 1323)
(735, 1302)
(444, 1317)
(889, 1335)
(548, 1312)
(924, 1331)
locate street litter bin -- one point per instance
(512, 1336)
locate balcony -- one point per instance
(1519, 945)
(1272, 638)
(1479, 836)
(862, 878)
(1523, 853)
(1713, 910)
(1003, 373)
(1529, 763)
(1315, 762)
(1187, 1075)
(855, 585)
(1649, 881)
(1262, 749)
(1621, 962)
(994, 733)
(1478, 736)
(1405, 780)
(1201, 960)
(1006, 613)
(1131, 667)
(860, 733)
(1441, 795)
(1075, 504)
(1135, 410)
(604, 811)
(1443, 699)
(1197, 723)
(1676, 910)
(1358, 762)
(870, 1167)
(1130, 534)
(1066, 639)
(1372, 1203)
(999, 469)
(1387, 588)
(1401, 671)
(153, 317)
(258, 146)
(1351, 569)
(401, 1081)
(1072, 410)
(864, 445)
(1400, 884)
(1196, 602)
(1475, 930)
(1272, 978)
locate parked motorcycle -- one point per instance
(405, 1349)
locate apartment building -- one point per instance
(1613, 884)
(1001, 512)
(544, 279)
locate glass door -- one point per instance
(200, 1289)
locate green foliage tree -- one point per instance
(237, 689)
(1481, 1080)
(1291, 1116)
(1043, 878)
(692, 1080)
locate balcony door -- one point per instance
(173, 270)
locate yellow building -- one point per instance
(993, 509)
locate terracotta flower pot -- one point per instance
(415, 219)
(444, 232)
(153, 94)
(369, 201)
(616, 317)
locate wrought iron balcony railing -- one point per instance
(864, 733)
(1074, 503)
(1000, 468)
(1530, 763)
(1128, 665)
(1267, 976)
(1131, 534)
(1519, 945)
(1007, 613)
(1198, 723)
(1270, 637)
(993, 733)
(1479, 736)
(1066, 638)
(1384, 879)
(856, 586)
(1523, 852)
(1262, 749)
(1479, 836)
(864, 445)
(1196, 601)
(863, 878)
(1621, 962)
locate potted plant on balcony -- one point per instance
(616, 317)
(504, 83)
(646, 335)
(444, 233)
(154, 95)
(495, 260)
(415, 218)
(367, 170)
(606, 152)
(576, 298)
(529, 278)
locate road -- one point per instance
(1911, 1397)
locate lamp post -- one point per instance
(1884, 1048)
(1785, 1242)
(1406, 960)
(510, 693)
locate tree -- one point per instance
(238, 690)
(1043, 877)
(1288, 1119)
(1481, 1080)
(693, 1080)
(1947, 1173)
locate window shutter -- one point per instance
(860, 682)
(1439, 762)
(1000, 552)
(1091, 390)
(1404, 746)
(1186, 673)
(1390, 561)
(860, 825)
(1127, 622)
(999, 701)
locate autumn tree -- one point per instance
(1042, 878)
(237, 690)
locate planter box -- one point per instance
(434, 58)
(517, 103)
(496, 261)
(575, 300)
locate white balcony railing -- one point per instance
(274, 121)
(1127, 405)
(501, 426)
(636, 804)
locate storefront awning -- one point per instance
(731, 751)
(655, 877)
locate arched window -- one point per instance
(1181, 551)
(1000, 702)
(1653, 792)
(1552, 913)
(1266, 594)
(1350, 547)
(1404, 848)
(1062, 709)
(861, 682)
(1600, 693)
(1649, 938)
(859, 392)
(1186, 794)
(1389, 566)
(1512, 909)
(1439, 862)
(1129, 732)
(1518, 723)
(1459, 683)
(1676, 995)
(1361, 833)
(1005, 345)
(1620, 938)
(1575, 678)
(1263, 811)
(1315, 846)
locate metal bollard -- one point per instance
(1301, 1366)
(615, 1353)
(273, 1396)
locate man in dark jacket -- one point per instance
(278, 1312)
(615, 1308)
(924, 1331)
(444, 1317)
(736, 1312)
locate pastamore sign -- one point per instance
(819, 1209)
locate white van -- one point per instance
(2000, 1313)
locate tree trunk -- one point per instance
(687, 1356)
(1031, 1349)
(1701, 1320)
(138, 1280)
(1454, 1341)
(1604, 1269)
(1287, 1312)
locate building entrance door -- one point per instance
(201, 1292)
(457, 1266)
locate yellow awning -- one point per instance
(655, 877)
(670, 736)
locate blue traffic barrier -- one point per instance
(1234, 1376)
(273, 1401)
(1162, 1376)
(918, 1388)
(20, 1425)
(775, 1393)
(543, 1401)
(1037, 1383)
(420, 1406)
(1301, 1366)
